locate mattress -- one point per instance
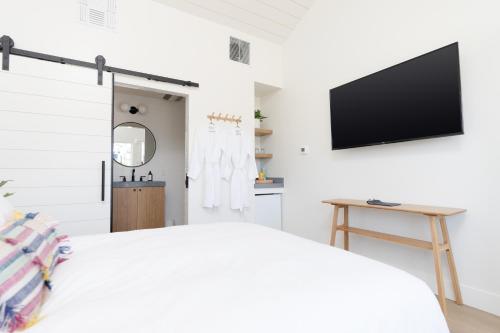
(230, 277)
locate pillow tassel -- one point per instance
(64, 249)
(62, 237)
(27, 250)
(11, 241)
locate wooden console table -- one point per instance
(433, 214)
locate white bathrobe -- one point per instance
(241, 170)
(208, 156)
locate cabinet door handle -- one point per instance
(103, 179)
(135, 190)
(140, 190)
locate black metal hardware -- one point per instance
(100, 61)
(141, 178)
(124, 179)
(186, 182)
(99, 64)
(151, 77)
(6, 45)
(103, 179)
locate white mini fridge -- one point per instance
(268, 210)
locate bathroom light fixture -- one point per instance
(124, 107)
(142, 109)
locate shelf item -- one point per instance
(277, 182)
(263, 156)
(263, 132)
(265, 181)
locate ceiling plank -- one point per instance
(273, 20)
(243, 15)
(262, 10)
(287, 6)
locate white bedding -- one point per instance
(230, 277)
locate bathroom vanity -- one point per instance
(138, 205)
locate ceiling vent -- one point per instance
(239, 50)
(100, 13)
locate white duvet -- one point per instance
(230, 277)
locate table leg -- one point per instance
(437, 263)
(334, 225)
(346, 223)
(451, 262)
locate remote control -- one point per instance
(382, 203)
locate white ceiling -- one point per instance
(146, 93)
(273, 20)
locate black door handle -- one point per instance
(103, 179)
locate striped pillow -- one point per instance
(32, 239)
(21, 288)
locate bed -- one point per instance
(230, 277)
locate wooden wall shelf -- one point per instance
(263, 156)
(263, 132)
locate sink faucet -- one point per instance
(133, 175)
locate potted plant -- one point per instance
(258, 118)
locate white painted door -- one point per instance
(268, 210)
(55, 132)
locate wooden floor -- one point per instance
(464, 319)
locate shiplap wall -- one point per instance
(55, 129)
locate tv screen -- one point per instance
(419, 98)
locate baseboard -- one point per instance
(481, 299)
(474, 297)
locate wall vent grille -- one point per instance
(96, 17)
(239, 50)
(100, 13)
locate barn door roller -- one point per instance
(6, 44)
(8, 49)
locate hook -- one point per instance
(211, 118)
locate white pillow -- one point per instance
(6, 210)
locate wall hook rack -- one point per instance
(226, 118)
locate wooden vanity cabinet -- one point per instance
(138, 208)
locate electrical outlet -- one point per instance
(304, 150)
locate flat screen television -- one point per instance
(419, 98)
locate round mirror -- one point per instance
(134, 144)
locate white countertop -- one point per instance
(270, 190)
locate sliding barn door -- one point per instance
(55, 142)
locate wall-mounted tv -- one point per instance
(419, 98)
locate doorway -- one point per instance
(150, 144)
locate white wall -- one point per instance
(154, 38)
(342, 40)
(166, 120)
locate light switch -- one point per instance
(304, 150)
